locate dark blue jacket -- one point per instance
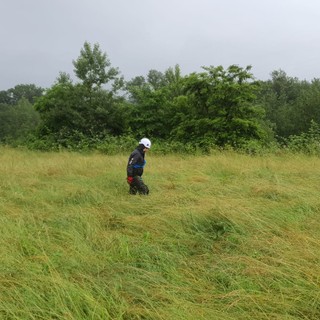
(136, 162)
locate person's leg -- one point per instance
(142, 188)
(145, 190)
(133, 189)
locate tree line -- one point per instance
(215, 108)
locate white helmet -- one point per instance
(146, 142)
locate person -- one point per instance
(136, 163)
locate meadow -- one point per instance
(222, 236)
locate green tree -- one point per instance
(60, 109)
(17, 121)
(64, 110)
(216, 106)
(63, 78)
(156, 79)
(72, 111)
(306, 109)
(151, 99)
(219, 107)
(27, 91)
(93, 67)
(278, 97)
(5, 97)
(174, 81)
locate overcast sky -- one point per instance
(40, 38)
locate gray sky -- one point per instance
(40, 38)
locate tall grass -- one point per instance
(225, 236)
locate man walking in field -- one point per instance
(135, 167)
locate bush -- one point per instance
(256, 147)
(307, 142)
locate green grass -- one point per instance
(224, 236)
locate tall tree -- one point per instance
(16, 121)
(280, 98)
(93, 67)
(151, 100)
(83, 109)
(219, 106)
(29, 92)
(306, 108)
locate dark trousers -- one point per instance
(138, 186)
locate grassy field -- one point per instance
(225, 236)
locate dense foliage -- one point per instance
(217, 107)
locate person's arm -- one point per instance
(133, 160)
